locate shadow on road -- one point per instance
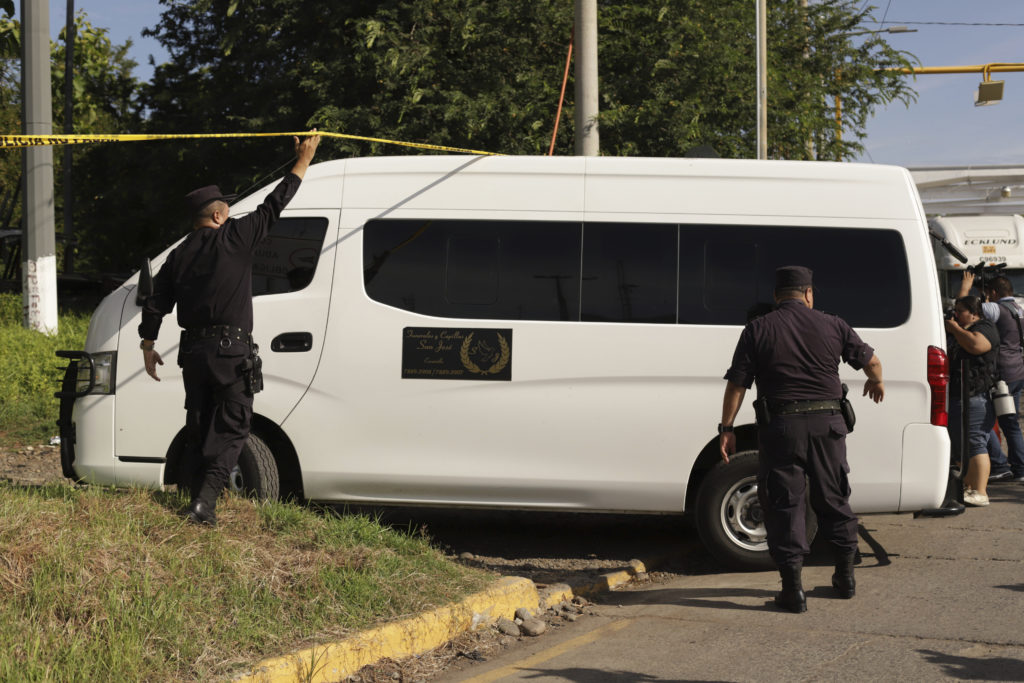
(977, 668)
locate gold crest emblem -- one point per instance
(482, 358)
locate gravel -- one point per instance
(31, 465)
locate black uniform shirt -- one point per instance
(209, 275)
(793, 353)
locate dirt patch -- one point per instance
(31, 465)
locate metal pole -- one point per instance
(39, 265)
(69, 93)
(587, 141)
(762, 80)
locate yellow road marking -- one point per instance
(551, 653)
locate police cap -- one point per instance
(792, 277)
(197, 199)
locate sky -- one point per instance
(942, 128)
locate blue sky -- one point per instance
(943, 127)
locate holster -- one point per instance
(762, 416)
(252, 373)
(847, 410)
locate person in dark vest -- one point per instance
(208, 277)
(793, 355)
(973, 342)
(1002, 309)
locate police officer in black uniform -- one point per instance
(793, 355)
(209, 278)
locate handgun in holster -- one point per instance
(846, 408)
(762, 416)
(253, 371)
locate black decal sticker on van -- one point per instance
(456, 353)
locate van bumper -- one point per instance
(84, 457)
(925, 470)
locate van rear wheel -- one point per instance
(256, 474)
(730, 520)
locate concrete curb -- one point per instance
(336, 661)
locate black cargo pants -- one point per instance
(218, 413)
(797, 452)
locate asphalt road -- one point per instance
(937, 599)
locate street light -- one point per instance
(989, 91)
(891, 29)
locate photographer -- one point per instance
(976, 340)
(1002, 309)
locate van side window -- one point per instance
(506, 270)
(727, 272)
(628, 272)
(286, 259)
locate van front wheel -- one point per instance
(730, 520)
(256, 474)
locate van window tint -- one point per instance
(506, 270)
(628, 272)
(860, 275)
(286, 259)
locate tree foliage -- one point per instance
(674, 73)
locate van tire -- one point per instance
(729, 516)
(256, 474)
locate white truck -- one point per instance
(997, 242)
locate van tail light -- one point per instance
(938, 380)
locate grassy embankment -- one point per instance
(104, 584)
(30, 372)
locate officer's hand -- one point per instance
(876, 390)
(152, 359)
(306, 148)
(727, 445)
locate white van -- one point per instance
(544, 333)
(996, 242)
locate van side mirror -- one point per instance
(145, 287)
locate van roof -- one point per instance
(615, 185)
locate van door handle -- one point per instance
(290, 342)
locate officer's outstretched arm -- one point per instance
(874, 387)
(734, 394)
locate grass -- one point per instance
(30, 372)
(102, 584)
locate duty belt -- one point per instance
(802, 407)
(215, 332)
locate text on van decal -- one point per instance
(456, 353)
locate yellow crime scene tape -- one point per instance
(11, 141)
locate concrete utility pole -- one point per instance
(587, 141)
(762, 79)
(39, 254)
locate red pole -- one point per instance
(561, 98)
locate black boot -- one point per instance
(200, 512)
(843, 580)
(791, 597)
